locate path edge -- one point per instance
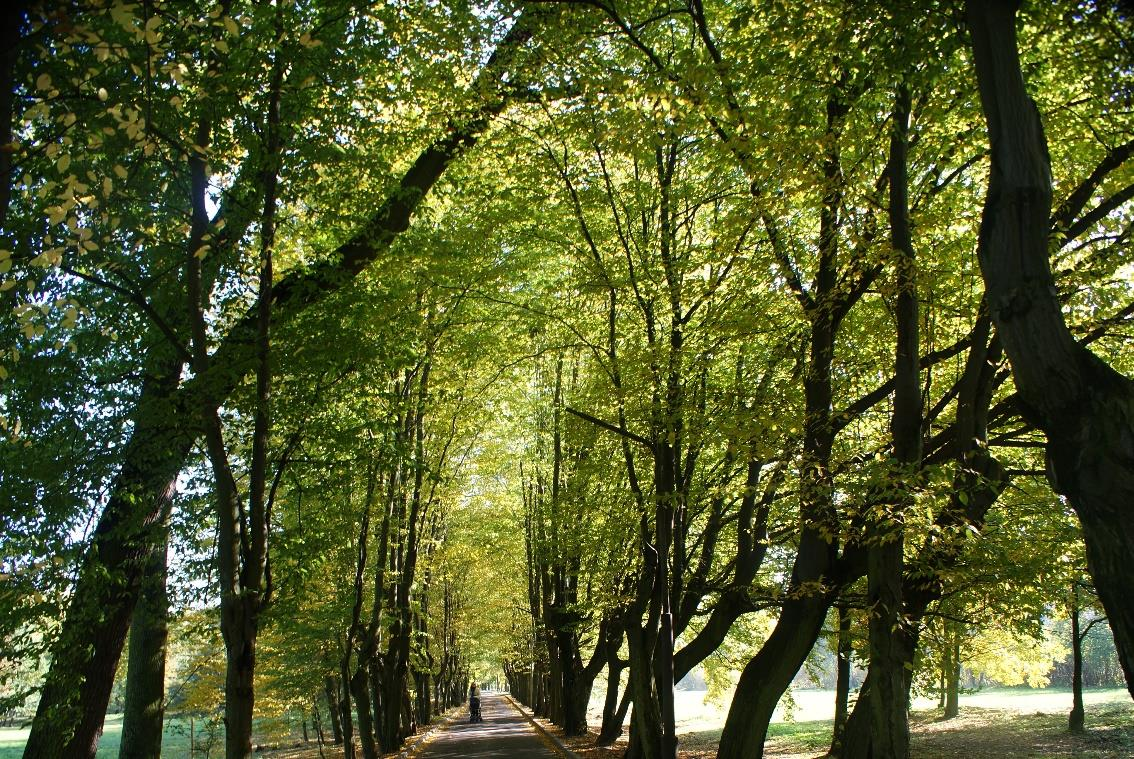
(559, 744)
(418, 740)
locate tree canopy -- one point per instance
(389, 347)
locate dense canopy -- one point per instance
(391, 346)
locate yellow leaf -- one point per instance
(122, 15)
(230, 26)
(43, 82)
(120, 171)
(63, 162)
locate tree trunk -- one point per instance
(143, 718)
(1084, 407)
(952, 674)
(239, 627)
(392, 688)
(646, 718)
(888, 692)
(613, 714)
(768, 675)
(331, 689)
(360, 689)
(346, 715)
(613, 711)
(76, 692)
(1076, 719)
(843, 653)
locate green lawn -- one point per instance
(175, 740)
(174, 743)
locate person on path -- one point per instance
(474, 703)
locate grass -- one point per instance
(175, 740)
(1000, 723)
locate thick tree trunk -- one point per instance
(392, 689)
(239, 627)
(143, 719)
(646, 718)
(768, 675)
(1084, 407)
(360, 689)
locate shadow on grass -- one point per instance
(811, 736)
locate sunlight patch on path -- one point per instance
(504, 733)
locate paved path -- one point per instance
(505, 732)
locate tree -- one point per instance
(164, 417)
(1081, 403)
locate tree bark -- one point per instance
(360, 689)
(888, 629)
(1084, 407)
(331, 689)
(952, 666)
(76, 692)
(143, 719)
(1076, 720)
(843, 651)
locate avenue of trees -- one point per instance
(385, 346)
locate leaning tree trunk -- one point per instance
(768, 675)
(72, 705)
(1084, 407)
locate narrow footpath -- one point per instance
(505, 732)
